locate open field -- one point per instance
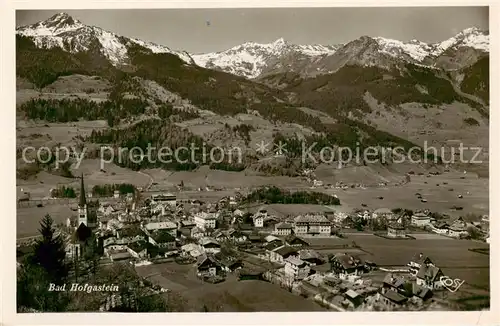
(229, 296)
(205, 177)
(439, 198)
(452, 256)
(54, 133)
(28, 219)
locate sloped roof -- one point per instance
(420, 258)
(206, 241)
(394, 296)
(311, 218)
(285, 251)
(309, 254)
(429, 272)
(348, 261)
(162, 236)
(137, 246)
(273, 245)
(283, 225)
(295, 261)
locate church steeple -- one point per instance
(82, 205)
(83, 199)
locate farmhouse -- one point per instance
(429, 276)
(345, 264)
(207, 265)
(313, 224)
(418, 261)
(294, 241)
(420, 219)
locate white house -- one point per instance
(312, 224)
(258, 218)
(205, 220)
(296, 268)
(283, 229)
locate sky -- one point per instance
(210, 30)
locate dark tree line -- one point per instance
(275, 195)
(108, 190)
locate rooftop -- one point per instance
(394, 296)
(348, 261)
(283, 225)
(311, 218)
(295, 261)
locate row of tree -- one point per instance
(107, 190)
(275, 195)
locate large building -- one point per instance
(312, 224)
(168, 198)
(205, 220)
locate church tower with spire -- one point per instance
(82, 205)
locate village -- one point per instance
(310, 255)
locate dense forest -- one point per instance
(275, 195)
(477, 79)
(107, 190)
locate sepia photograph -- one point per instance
(252, 160)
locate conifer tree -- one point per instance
(49, 252)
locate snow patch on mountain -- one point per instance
(250, 58)
(69, 34)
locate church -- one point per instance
(86, 216)
(81, 226)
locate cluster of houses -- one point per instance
(344, 287)
(161, 229)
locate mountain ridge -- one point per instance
(253, 60)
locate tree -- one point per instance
(33, 284)
(49, 252)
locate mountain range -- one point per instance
(371, 91)
(253, 60)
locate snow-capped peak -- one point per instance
(69, 34)
(418, 50)
(250, 58)
(471, 37)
